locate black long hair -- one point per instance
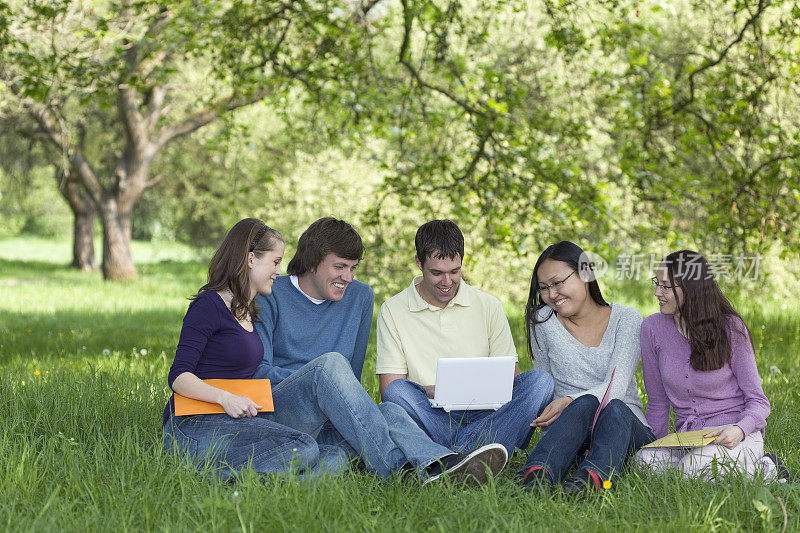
(705, 312)
(571, 254)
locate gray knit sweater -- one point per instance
(579, 370)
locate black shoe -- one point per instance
(580, 483)
(783, 473)
(470, 468)
(536, 480)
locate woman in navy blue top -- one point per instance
(218, 341)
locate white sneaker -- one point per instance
(470, 468)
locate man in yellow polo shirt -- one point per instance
(439, 315)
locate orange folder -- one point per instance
(258, 390)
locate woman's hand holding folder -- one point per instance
(213, 391)
(238, 406)
(730, 436)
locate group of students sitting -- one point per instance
(307, 332)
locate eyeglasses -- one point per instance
(657, 285)
(556, 285)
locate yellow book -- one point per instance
(687, 439)
(258, 390)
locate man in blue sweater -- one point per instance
(315, 327)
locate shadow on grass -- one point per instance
(20, 271)
(70, 334)
(12, 268)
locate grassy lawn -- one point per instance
(83, 386)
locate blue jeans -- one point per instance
(466, 430)
(617, 434)
(325, 400)
(227, 445)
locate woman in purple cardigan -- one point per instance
(218, 341)
(698, 358)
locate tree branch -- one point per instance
(155, 107)
(404, 60)
(137, 127)
(153, 182)
(48, 123)
(206, 116)
(479, 153)
(710, 63)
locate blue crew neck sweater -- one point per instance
(294, 330)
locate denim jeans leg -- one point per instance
(228, 445)
(330, 436)
(511, 424)
(419, 450)
(332, 460)
(566, 439)
(326, 389)
(413, 399)
(617, 434)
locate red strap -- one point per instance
(595, 480)
(531, 469)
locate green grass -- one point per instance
(83, 385)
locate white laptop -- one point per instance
(472, 383)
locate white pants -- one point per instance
(713, 460)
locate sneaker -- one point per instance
(536, 479)
(783, 473)
(580, 482)
(470, 468)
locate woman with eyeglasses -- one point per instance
(698, 359)
(218, 340)
(591, 348)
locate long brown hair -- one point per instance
(228, 268)
(705, 312)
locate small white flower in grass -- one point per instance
(236, 497)
(763, 326)
(106, 351)
(143, 351)
(774, 370)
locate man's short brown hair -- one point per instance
(325, 236)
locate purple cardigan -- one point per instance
(729, 395)
(213, 345)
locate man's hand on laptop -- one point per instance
(430, 390)
(551, 412)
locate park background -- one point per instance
(134, 134)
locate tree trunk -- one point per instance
(83, 213)
(83, 256)
(117, 259)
